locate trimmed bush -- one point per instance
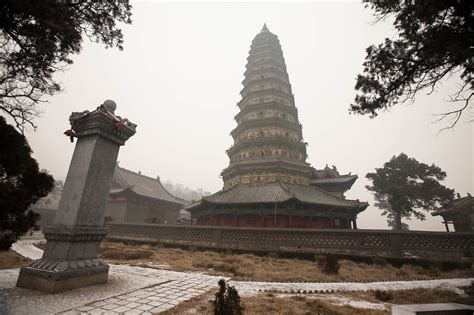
(227, 301)
(331, 266)
(383, 296)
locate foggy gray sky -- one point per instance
(179, 78)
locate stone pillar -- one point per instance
(70, 258)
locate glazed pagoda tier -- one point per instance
(268, 140)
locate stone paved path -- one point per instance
(130, 290)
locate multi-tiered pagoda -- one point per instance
(268, 182)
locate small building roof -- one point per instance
(343, 179)
(142, 185)
(329, 179)
(278, 192)
(459, 206)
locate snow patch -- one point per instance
(26, 248)
(252, 288)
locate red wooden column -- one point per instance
(291, 222)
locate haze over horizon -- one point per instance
(179, 76)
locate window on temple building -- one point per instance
(337, 222)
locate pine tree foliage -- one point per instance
(434, 40)
(404, 187)
(227, 300)
(37, 39)
(21, 185)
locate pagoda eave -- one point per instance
(267, 105)
(266, 141)
(338, 184)
(274, 70)
(268, 122)
(264, 92)
(247, 165)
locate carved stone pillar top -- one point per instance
(104, 122)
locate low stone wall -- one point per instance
(302, 240)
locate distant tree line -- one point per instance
(51, 201)
(183, 192)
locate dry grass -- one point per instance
(270, 304)
(262, 268)
(126, 254)
(10, 259)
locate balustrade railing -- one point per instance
(305, 240)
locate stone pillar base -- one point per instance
(52, 276)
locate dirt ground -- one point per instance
(263, 268)
(10, 259)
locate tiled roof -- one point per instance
(279, 192)
(142, 185)
(335, 180)
(464, 204)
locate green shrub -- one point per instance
(227, 301)
(383, 296)
(330, 265)
(320, 260)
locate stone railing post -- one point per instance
(70, 258)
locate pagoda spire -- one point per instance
(268, 140)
